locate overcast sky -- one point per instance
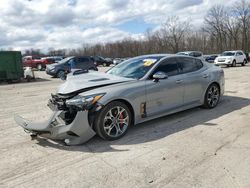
(41, 24)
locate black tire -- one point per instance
(234, 63)
(28, 78)
(39, 67)
(212, 96)
(104, 64)
(60, 73)
(93, 69)
(244, 62)
(103, 122)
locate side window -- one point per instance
(97, 58)
(71, 63)
(191, 54)
(240, 53)
(82, 62)
(189, 64)
(199, 64)
(197, 54)
(169, 66)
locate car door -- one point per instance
(241, 57)
(195, 79)
(166, 94)
(82, 63)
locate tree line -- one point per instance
(224, 28)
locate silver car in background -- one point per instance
(135, 91)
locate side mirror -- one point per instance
(159, 76)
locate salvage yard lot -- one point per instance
(195, 148)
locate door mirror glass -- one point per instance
(160, 75)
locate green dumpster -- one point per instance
(11, 67)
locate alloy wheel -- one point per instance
(116, 121)
(213, 96)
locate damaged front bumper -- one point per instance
(73, 132)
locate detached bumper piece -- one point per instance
(74, 133)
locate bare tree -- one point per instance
(242, 11)
(173, 31)
(215, 24)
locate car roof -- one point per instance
(234, 51)
(156, 55)
(189, 51)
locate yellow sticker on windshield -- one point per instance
(149, 62)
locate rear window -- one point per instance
(83, 59)
(197, 54)
(199, 64)
(189, 64)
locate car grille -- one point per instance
(221, 60)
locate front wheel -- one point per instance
(212, 96)
(113, 121)
(234, 63)
(39, 67)
(93, 69)
(60, 74)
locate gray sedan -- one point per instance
(135, 91)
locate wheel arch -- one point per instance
(128, 104)
(204, 98)
(215, 82)
(204, 94)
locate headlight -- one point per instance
(82, 102)
(52, 70)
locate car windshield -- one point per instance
(228, 54)
(182, 53)
(64, 60)
(101, 58)
(134, 68)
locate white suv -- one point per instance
(231, 58)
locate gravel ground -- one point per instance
(194, 148)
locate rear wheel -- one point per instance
(244, 62)
(104, 64)
(113, 121)
(212, 96)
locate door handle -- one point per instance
(205, 76)
(178, 81)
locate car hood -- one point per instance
(88, 81)
(53, 65)
(224, 57)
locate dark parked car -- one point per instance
(101, 61)
(210, 58)
(66, 65)
(191, 53)
(248, 56)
